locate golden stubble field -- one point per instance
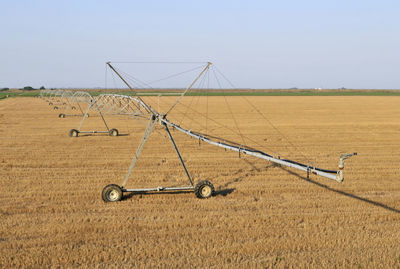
(262, 216)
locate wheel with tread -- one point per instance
(112, 193)
(73, 133)
(204, 189)
(113, 132)
(61, 115)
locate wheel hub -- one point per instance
(113, 195)
(206, 191)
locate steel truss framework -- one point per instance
(104, 104)
(65, 99)
(134, 106)
(204, 189)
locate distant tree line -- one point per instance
(26, 88)
(29, 88)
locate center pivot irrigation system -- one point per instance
(104, 104)
(65, 99)
(204, 188)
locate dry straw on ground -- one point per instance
(51, 212)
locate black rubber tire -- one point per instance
(73, 133)
(61, 115)
(111, 193)
(204, 189)
(113, 132)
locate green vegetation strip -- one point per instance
(277, 93)
(266, 93)
(6, 94)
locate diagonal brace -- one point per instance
(94, 103)
(177, 152)
(149, 128)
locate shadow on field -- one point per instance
(343, 192)
(242, 173)
(123, 134)
(224, 192)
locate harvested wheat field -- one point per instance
(261, 216)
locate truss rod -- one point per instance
(190, 86)
(127, 84)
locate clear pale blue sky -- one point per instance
(257, 44)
